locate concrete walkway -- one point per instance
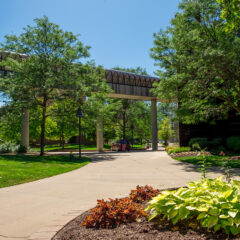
(38, 209)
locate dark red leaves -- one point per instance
(109, 214)
(142, 194)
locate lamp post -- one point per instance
(132, 128)
(79, 115)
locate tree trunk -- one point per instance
(44, 109)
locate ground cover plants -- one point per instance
(214, 202)
(16, 169)
(204, 209)
(176, 149)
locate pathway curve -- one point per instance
(38, 209)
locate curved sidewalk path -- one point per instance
(38, 209)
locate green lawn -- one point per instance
(138, 146)
(16, 169)
(72, 147)
(84, 147)
(217, 161)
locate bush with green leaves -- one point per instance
(213, 202)
(204, 143)
(178, 150)
(9, 147)
(233, 143)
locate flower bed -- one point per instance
(174, 214)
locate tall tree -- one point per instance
(199, 63)
(50, 71)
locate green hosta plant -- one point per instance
(214, 202)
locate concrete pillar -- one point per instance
(154, 125)
(99, 135)
(25, 128)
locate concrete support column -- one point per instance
(99, 135)
(154, 125)
(25, 128)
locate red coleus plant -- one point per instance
(143, 193)
(109, 214)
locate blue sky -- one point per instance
(120, 32)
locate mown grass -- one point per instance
(16, 169)
(215, 161)
(83, 147)
(71, 147)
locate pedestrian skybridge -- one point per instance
(130, 85)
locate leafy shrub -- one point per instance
(213, 202)
(178, 150)
(233, 143)
(21, 149)
(215, 143)
(218, 150)
(202, 142)
(9, 147)
(170, 147)
(196, 147)
(109, 214)
(143, 193)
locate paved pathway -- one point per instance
(38, 209)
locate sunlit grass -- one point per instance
(16, 169)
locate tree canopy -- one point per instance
(231, 14)
(198, 63)
(50, 71)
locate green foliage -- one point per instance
(198, 63)
(233, 143)
(7, 147)
(110, 214)
(143, 193)
(204, 165)
(204, 143)
(213, 202)
(10, 147)
(137, 70)
(53, 69)
(165, 132)
(230, 13)
(177, 149)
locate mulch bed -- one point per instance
(234, 158)
(189, 154)
(138, 230)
